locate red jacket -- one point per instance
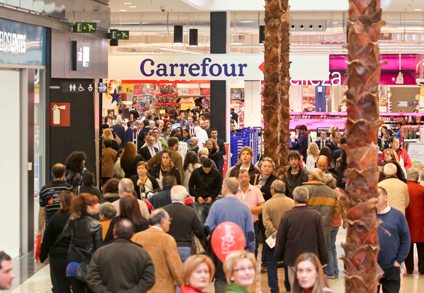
(414, 211)
(405, 156)
(401, 153)
(189, 289)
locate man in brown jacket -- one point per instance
(273, 211)
(163, 250)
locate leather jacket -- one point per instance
(86, 237)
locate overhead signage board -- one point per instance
(211, 67)
(22, 43)
(85, 27)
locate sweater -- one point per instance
(233, 288)
(393, 235)
(231, 209)
(184, 223)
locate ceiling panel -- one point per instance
(403, 5)
(150, 6)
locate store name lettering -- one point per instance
(335, 80)
(12, 43)
(206, 68)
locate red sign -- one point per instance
(60, 114)
(226, 160)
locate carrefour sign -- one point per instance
(205, 68)
(210, 67)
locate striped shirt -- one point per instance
(49, 197)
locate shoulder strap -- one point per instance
(62, 234)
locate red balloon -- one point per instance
(226, 238)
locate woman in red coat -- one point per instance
(415, 221)
(198, 273)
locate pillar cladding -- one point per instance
(218, 95)
(361, 247)
(276, 108)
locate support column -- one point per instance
(219, 32)
(252, 100)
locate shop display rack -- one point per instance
(249, 136)
(315, 120)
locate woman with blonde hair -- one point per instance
(215, 154)
(239, 268)
(309, 275)
(198, 274)
(129, 160)
(108, 134)
(313, 153)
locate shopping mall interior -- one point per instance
(67, 65)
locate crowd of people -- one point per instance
(163, 192)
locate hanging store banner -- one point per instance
(21, 43)
(211, 67)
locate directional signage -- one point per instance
(76, 87)
(123, 35)
(85, 27)
(102, 87)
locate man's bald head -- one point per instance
(322, 163)
(58, 171)
(124, 229)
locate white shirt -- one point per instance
(202, 135)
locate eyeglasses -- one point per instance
(244, 269)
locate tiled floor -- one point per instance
(40, 281)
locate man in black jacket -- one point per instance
(205, 182)
(185, 222)
(300, 231)
(122, 265)
(205, 185)
(295, 175)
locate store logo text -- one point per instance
(205, 68)
(12, 43)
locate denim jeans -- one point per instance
(272, 267)
(184, 252)
(332, 268)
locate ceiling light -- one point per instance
(133, 6)
(123, 10)
(127, 3)
(418, 9)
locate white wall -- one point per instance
(10, 163)
(252, 103)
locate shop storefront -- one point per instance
(78, 63)
(22, 75)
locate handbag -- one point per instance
(196, 245)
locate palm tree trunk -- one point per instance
(277, 83)
(361, 247)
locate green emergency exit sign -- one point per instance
(123, 35)
(85, 27)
